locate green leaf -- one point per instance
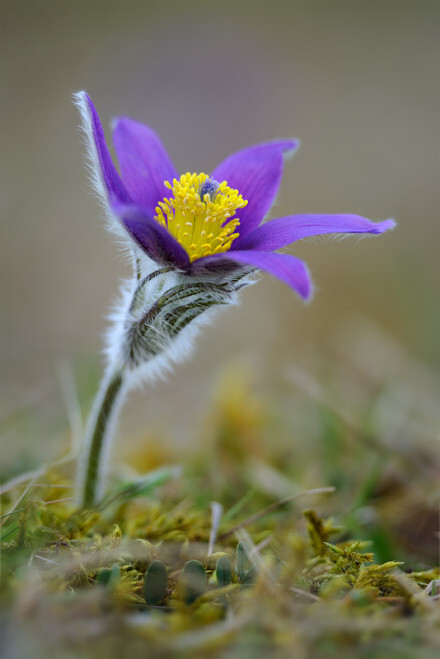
(155, 583)
(193, 581)
(143, 486)
(243, 562)
(109, 576)
(223, 571)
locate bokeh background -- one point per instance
(356, 81)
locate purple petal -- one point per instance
(153, 238)
(256, 173)
(289, 269)
(104, 172)
(145, 164)
(285, 230)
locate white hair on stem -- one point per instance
(167, 349)
(153, 326)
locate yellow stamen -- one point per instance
(199, 224)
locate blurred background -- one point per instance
(356, 81)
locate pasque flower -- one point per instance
(196, 239)
(201, 224)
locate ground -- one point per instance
(310, 550)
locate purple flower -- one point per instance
(195, 241)
(202, 225)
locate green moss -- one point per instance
(133, 577)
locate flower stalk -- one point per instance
(92, 466)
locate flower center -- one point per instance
(200, 214)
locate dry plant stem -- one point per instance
(274, 506)
(96, 447)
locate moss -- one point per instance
(280, 580)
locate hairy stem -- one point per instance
(147, 331)
(98, 437)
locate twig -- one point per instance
(299, 591)
(272, 507)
